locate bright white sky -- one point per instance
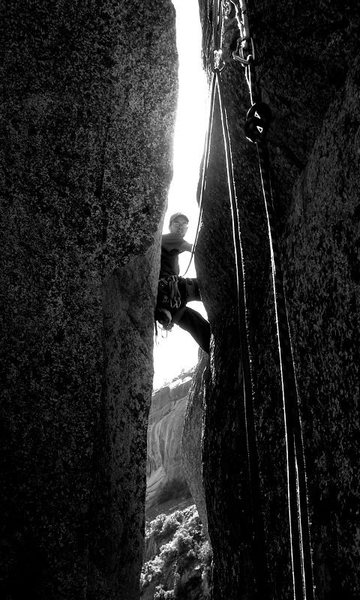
(178, 351)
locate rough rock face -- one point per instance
(166, 483)
(192, 439)
(88, 118)
(309, 72)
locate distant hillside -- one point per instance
(167, 488)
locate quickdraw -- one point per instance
(257, 123)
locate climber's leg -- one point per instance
(195, 324)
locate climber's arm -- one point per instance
(186, 246)
(172, 241)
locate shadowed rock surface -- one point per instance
(87, 127)
(309, 73)
(88, 119)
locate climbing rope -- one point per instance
(258, 543)
(205, 164)
(256, 126)
(217, 34)
(296, 473)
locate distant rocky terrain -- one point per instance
(166, 485)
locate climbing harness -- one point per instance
(168, 300)
(257, 123)
(173, 294)
(169, 296)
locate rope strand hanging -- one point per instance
(205, 163)
(256, 126)
(246, 365)
(296, 472)
(257, 542)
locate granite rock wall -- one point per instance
(88, 106)
(308, 69)
(192, 434)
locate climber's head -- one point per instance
(178, 224)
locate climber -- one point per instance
(175, 292)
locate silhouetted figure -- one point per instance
(175, 292)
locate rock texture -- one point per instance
(87, 126)
(87, 123)
(191, 442)
(166, 483)
(309, 73)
